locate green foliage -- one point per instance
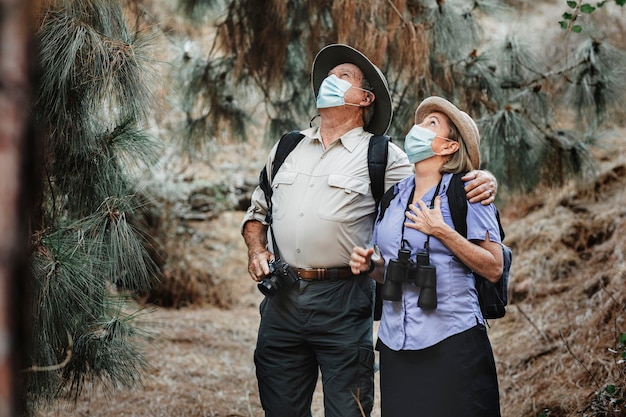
(93, 94)
(580, 8)
(212, 99)
(197, 10)
(608, 401)
(596, 82)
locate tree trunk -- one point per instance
(15, 189)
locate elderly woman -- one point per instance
(435, 356)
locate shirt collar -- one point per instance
(349, 140)
(409, 183)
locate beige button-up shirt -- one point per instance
(322, 199)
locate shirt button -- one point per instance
(298, 250)
(301, 214)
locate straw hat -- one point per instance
(463, 122)
(332, 55)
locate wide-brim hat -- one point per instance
(463, 122)
(332, 55)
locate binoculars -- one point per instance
(421, 273)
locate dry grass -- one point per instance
(567, 286)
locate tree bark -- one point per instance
(15, 90)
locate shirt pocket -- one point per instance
(344, 202)
(282, 188)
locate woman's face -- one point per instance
(438, 123)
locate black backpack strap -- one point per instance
(377, 164)
(286, 144)
(389, 195)
(457, 200)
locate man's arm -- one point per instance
(482, 187)
(255, 235)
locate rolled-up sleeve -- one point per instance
(257, 210)
(258, 204)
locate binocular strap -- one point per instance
(403, 242)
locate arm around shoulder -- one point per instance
(481, 186)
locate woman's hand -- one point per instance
(484, 257)
(424, 219)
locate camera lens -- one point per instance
(269, 286)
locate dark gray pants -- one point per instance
(325, 325)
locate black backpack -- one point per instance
(376, 163)
(493, 298)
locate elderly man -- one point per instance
(321, 206)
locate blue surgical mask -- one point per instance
(332, 92)
(417, 144)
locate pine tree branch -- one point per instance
(542, 76)
(66, 361)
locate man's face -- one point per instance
(348, 72)
(354, 75)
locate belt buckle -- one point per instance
(321, 274)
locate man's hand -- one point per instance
(482, 187)
(360, 259)
(258, 267)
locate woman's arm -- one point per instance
(483, 257)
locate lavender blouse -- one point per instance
(404, 325)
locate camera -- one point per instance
(280, 274)
(421, 273)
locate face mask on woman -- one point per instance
(418, 144)
(332, 92)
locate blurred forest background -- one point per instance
(150, 120)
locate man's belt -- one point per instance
(323, 274)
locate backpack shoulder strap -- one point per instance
(377, 164)
(389, 195)
(286, 144)
(457, 201)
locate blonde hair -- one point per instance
(458, 162)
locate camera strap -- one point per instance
(404, 243)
